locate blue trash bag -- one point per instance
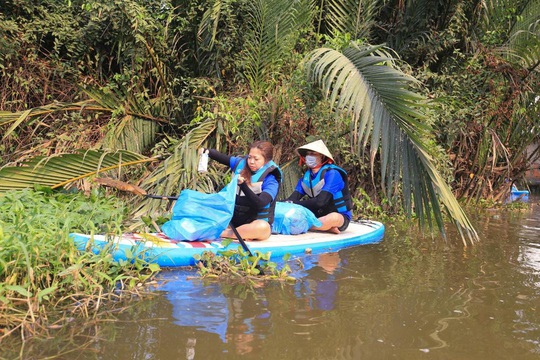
(293, 219)
(200, 216)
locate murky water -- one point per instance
(405, 298)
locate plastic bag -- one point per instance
(200, 216)
(293, 219)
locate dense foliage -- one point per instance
(410, 96)
(41, 268)
(161, 78)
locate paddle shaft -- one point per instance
(162, 197)
(244, 245)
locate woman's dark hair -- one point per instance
(267, 150)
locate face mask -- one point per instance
(312, 161)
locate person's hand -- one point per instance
(241, 180)
(202, 150)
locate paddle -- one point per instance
(246, 249)
(123, 186)
(120, 185)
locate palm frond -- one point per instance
(276, 27)
(106, 104)
(132, 134)
(60, 170)
(208, 28)
(27, 117)
(525, 45)
(207, 34)
(179, 171)
(363, 82)
(523, 42)
(351, 16)
(292, 171)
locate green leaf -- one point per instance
(277, 24)
(59, 170)
(226, 242)
(226, 253)
(19, 289)
(44, 292)
(155, 267)
(147, 220)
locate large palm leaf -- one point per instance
(134, 122)
(60, 170)
(362, 81)
(207, 34)
(523, 34)
(178, 171)
(28, 117)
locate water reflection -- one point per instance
(318, 291)
(526, 325)
(250, 321)
(201, 307)
(234, 312)
(530, 244)
(240, 315)
(530, 259)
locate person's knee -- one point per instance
(262, 228)
(266, 229)
(334, 219)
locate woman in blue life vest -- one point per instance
(323, 189)
(258, 186)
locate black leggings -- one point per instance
(345, 225)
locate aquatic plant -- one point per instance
(238, 266)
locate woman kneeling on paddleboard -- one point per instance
(258, 186)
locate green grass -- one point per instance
(41, 270)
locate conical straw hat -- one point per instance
(317, 146)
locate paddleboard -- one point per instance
(158, 248)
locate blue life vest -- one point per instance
(244, 207)
(312, 187)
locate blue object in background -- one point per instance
(521, 195)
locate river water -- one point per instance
(408, 297)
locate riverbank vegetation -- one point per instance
(44, 280)
(427, 105)
(420, 104)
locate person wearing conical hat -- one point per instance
(324, 188)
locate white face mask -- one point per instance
(312, 161)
